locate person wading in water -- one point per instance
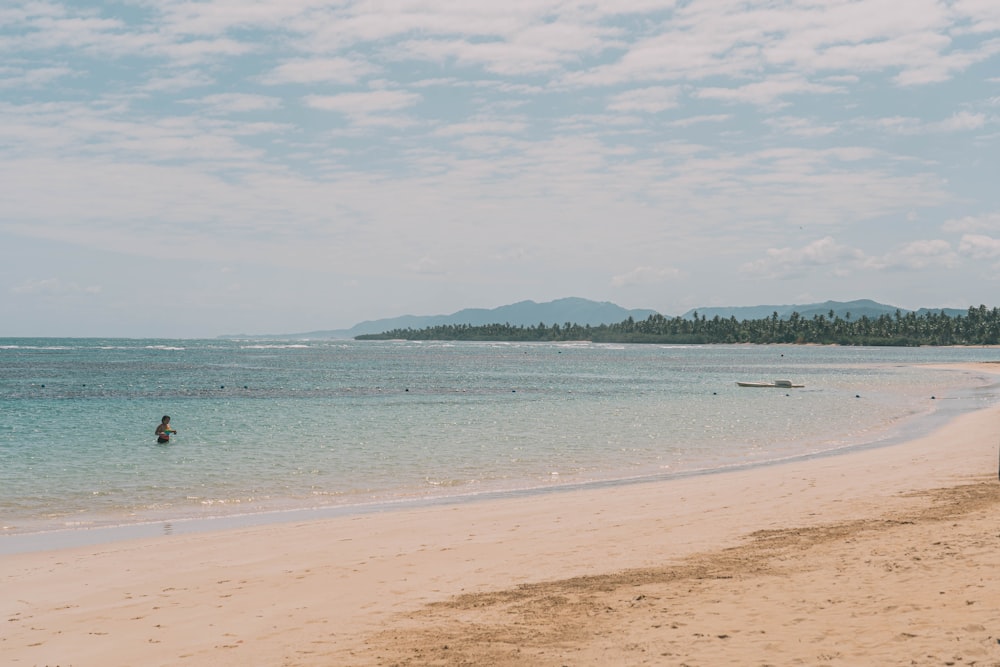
(164, 430)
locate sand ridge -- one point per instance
(919, 587)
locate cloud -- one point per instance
(506, 39)
(343, 71)
(512, 254)
(225, 103)
(361, 105)
(960, 121)
(918, 255)
(697, 120)
(973, 223)
(27, 77)
(800, 127)
(54, 287)
(768, 92)
(788, 263)
(481, 126)
(92, 136)
(963, 121)
(645, 275)
(187, 53)
(936, 65)
(978, 246)
(899, 124)
(177, 81)
(426, 266)
(646, 100)
(702, 41)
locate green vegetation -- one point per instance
(980, 326)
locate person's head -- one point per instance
(165, 420)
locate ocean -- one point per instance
(272, 429)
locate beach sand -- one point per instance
(887, 556)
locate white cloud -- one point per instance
(801, 127)
(481, 127)
(769, 92)
(787, 263)
(974, 223)
(963, 121)
(983, 15)
(645, 275)
(900, 124)
(427, 266)
(918, 255)
(497, 56)
(697, 120)
(18, 77)
(794, 262)
(960, 121)
(186, 53)
(177, 81)
(320, 70)
(363, 104)
(224, 103)
(937, 66)
(218, 17)
(646, 100)
(978, 246)
(54, 287)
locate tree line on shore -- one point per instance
(979, 326)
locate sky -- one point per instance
(183, 168)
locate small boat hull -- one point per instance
(779, 384)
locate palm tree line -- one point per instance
(979, 326)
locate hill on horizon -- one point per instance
(594, 313)
(855, 309)
(526, 313)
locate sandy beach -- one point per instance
(887, 556)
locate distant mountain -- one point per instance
(950, 312)
(594, 313)
(857, 309)
(527, 313)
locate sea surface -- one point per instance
(266, 428)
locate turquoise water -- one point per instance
(282, 425)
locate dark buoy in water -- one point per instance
(857, 396)
(932, 398)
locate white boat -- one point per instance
(780, 384)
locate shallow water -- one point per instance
(280, 425)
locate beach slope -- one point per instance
(879, 556)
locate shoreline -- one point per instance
(153, 526)
(395, 587)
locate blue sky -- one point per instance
(195, 168)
